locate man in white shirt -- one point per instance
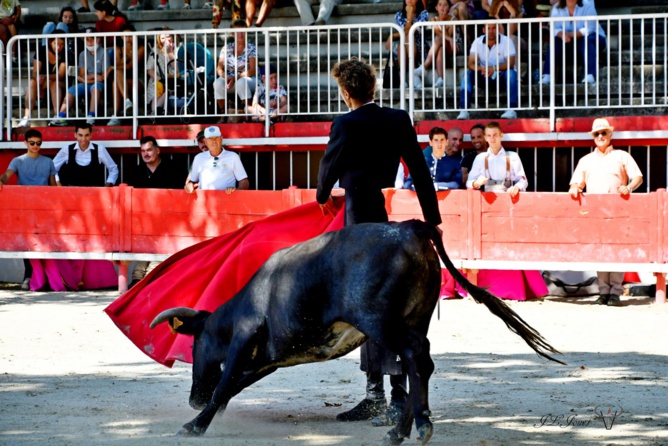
(83, 163)
(491, 64)
(217, 168)
(497, 170)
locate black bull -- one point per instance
(321, 299)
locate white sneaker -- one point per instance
(419, 71)
(545, 79)
(509, 114)
(114, 121)
(438, 83)
(24, 123)
(187, 6)
(417, 82)
(128, 104)
(25, 286)
(208, 5)
(589, 79)
(162, 6)
(90, 120)
(463, 115)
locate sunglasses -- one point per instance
(215, 161)
(35, 143)
(603, 134)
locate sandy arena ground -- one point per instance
(69, 377)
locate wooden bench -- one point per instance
(539, 231)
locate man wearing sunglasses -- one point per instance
(217, 168)
(606, 171)
(32, 169)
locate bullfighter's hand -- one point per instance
(329, 208)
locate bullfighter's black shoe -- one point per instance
(391, 416)
(365, 410)
(613, 301)
(603, 299)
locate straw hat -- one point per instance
(601, 124)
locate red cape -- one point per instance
(207, 274)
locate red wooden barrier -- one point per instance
(507, 233)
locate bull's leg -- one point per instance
(233, 381)
(413, 347)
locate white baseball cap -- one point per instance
(212, 132)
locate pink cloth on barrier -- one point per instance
(506, 284)
(72, 275)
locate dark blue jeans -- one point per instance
(579, 47)
(468, 83)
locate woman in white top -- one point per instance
(579, 34)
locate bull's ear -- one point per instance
(188, 325)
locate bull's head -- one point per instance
(207, 350)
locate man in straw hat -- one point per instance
(606, 171)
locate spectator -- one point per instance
(444, 162)
(109, 20)
(217, 169)
(156, 173)
(123, 80)
(491, 64)
(582, 36)
(10, 13)
(606, 171)
(237, 65)
(276, 98)
(352, 157)
(94, 67)
(83, 163)
(265, 9)
(497, 170)
(48, 71)
(324, 12)
(477, 133)
(447, 42)
(413, 11)
(201, 146)
(68, 22)
(201, 141)
(160, 68)
(455, 137)
(32, 169)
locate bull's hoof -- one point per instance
(391, 439)
(190, 430)
(425, 432)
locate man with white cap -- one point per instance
(606, 171)
(217, 168)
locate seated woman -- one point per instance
(160, 68)
(68, 22)
(581, 36)
(448, 41)
(237, 66)
(109, 19)
(413, 11)
(48, 71)
(123, 75)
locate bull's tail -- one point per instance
(498, 307)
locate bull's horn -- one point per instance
(172, 312)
